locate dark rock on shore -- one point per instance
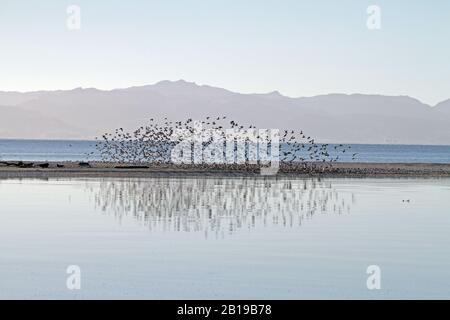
(131, 167)
(84, 164)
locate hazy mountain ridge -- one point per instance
(356, 118)
(17, 123)
(443, 106)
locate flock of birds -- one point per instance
(153, 143)
(301, 148)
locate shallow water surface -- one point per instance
(212, 238)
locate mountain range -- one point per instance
(356, 118)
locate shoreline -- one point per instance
(116, 170)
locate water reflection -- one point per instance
(218, 206)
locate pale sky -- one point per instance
(300, 48)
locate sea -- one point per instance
(65, 150)
(228, 238)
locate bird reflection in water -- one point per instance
(219, 206)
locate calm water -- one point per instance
(45, 150)
(226, 238)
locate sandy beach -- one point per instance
(111, 170)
